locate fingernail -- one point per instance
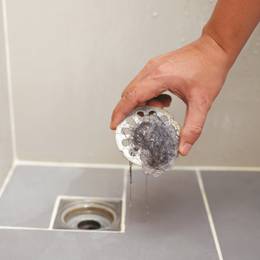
(112, 126)
(186, 148)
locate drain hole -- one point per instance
(89, 225)
(140, 113)
(152, 113)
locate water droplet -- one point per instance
(131, 185)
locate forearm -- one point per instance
(231, 24)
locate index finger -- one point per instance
(135, 95)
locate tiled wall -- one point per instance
(5, 132)
(71, 59)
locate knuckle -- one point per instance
(130, 96)
(201, 102)
(193, 132)
(196, 130)
(156, 72)
(204, 103)
(163, 67)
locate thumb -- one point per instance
(194, 120)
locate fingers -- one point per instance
(161, 101)
(195, 118)
(135, 95)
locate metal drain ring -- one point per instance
(75, 215)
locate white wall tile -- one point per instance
(71, 60)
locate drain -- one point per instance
(88, 214)
(89, 225)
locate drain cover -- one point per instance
(88, 214)
(149, 137)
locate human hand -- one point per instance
(194, 73)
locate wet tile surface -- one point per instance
(169, 223)
(29, 198)
(234, 199)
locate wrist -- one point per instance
(215, 40)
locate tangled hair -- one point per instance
(158, 144)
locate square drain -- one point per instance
(86, 213)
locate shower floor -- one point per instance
(185, 215)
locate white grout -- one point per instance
(125, 166)
(58, 230)
(69, 164)
(9, 79)
(87, 197)
(7, 179)
(54, 212)
(220, 168)
(124, 201)
(209, 214)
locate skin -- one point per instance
(196, 72)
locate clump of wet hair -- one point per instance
(158, 144)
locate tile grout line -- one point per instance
(125, 166)
(70, 164)
(124, 198)
(86, 197)
(209, 214)
(54, 212)
(9, 79)
(57, 230)
(7, 179)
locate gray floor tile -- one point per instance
(175, 228)
(30, 195)
(234, 199)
